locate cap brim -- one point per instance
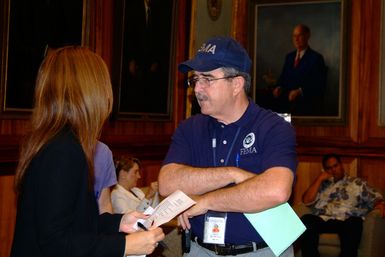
(198, 65)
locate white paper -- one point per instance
(148, 211)
(166, 210)
(169, 208)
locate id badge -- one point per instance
(215, 227)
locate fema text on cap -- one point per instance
(209, 48)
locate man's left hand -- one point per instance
(197, 209)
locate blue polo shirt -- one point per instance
(259, 140)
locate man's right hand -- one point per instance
(241, 175)
(324, 176)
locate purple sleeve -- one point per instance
(105, 175)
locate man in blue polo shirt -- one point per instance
(233, 158)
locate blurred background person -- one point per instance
(339, 203)
(125, 195)
(105, 177)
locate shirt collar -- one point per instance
(245, 118)
(302, 53)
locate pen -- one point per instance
(163, 244)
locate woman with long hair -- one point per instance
(57, 211)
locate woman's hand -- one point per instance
(129, 221)
(143, 242)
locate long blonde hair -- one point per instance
(73, 88)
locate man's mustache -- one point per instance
(201, 97)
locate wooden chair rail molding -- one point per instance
(352, 151)
(149, 147)
(9, 153)
(338, 141)
(145, 147)
(154, 147)
(373, 147)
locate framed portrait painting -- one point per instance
(143, 56)
(311, 88)
(29, 29)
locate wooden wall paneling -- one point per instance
(182, 53)
(354, 69)
(366, 31)
(7, 214)
(149, 172)
(239, 25)
(364, 70)
(375, 132)
(307, 171)
(9, 153)
(101, 36)
(373, 171)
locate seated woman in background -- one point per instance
(126, 196)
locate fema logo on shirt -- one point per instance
(248, 142)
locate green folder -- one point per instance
(279, 226)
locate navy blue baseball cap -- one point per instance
(218, 52)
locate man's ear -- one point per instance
(239, 84)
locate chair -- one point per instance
(372, 240)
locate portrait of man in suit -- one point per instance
(301, 85)
(299, 60)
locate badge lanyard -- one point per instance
(215, 222)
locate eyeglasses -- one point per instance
(205, 81)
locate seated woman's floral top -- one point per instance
(345, 198)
